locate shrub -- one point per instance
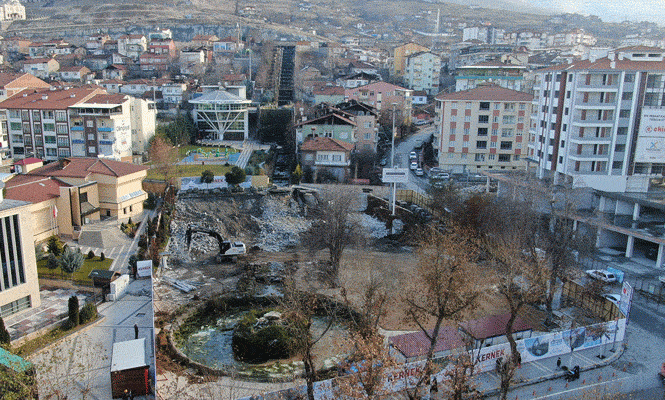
(91, 255)
(207, 176)
(151, 202)
(102, 257)
(52, 262)
(235, 176)
(4, 334)
(88, 313)
(54, 246)
(252, 344)
(71, 261)
(73, 311)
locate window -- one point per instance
(466, 131)
(39, 141)
(465, 143)
(617, 165)
(565, 111)
(507, 132)
(479, 157)
(565, 127)
(92, 149)
(627, 96)
(14, 114)
(61, 116)
(36, 116)
(629, 78)
(63, 153)
(61, 129)
(493, 145)
(15, 126)
(83, 197)
(48, 114)
(37, 128)
(620, 148)
(468, 104)
(63, 141)
(337, 157)
(49, 127)
(491, 157)
(89, 123)
(483, 119)
(508, 119)
(25, 115)
(622, 130)
(624, 114)
(481, 144)
(49, 139)
(467, 118)
(506, 145)
(495, 132)
(482, 131)
(319, 157)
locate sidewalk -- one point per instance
(535, 372)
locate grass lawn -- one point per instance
(82, 274)
(182, 150)
(191, 170)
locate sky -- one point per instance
(607, 10)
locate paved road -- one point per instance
(402, 151)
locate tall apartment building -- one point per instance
(482, 128)
(400, 53)
(600, 123)
(423, 71)
(506, 75)
(80, 122)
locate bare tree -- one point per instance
(163, 157)
(443, 288)
(301, 308)
(333, 229)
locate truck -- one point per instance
(227, 248)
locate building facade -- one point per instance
(506, 75)
(382, 95)
(482, 129)
(423, 72)
(222, 115)
(400, 53)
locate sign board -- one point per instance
(626, 298)
(395, 175)
(144, 269)
(650, 146)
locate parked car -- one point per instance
(435, 170)
(439, 175)
(420, 172)
(614, 298)
(414, 165)
(413, 155)
(601, 275)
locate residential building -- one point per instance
(112, 85)
(332, 124)
(227, 46)
(73, 192)
(328, 94)
(96, 42)
(423, 71)
(55, 123)
(471, 54)
(382, 96)
(326, 153)
(143, 122)
(222, 114)
(506, 75)
(98, 62)
(595, 122)
(192, 61)
(19, 285)
(482, 128)
(154, 62)
(172, 93)
(49, 48)
(115, 71)
(12, 83)
(419, 98)
(357, 79)
(77, 73)
(163, 46)
(400, 53)
(17, 44)
(132, 46)
(41, 67)
(367, 127)
(12, 10)
(204, 40)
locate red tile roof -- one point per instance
(28, 161)
(494, 325)
(46, 99)
(107, 99)
(33, 189)
(416, 344)
(80, 167)
(37, 60)
(605, 64)
(329, 91)
(325, 144)
(487, 92)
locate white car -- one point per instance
(601, 275)
(413, 155)
(420, 172)
(414, 165)
(614, 298)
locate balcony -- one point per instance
(76, 128)
(590, 139)
(589, 157)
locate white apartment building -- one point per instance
(80, 122)
(12, 10)
(596, 121)
(484, 128)
(132, 46)
(423, 71)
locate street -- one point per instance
(402, 151)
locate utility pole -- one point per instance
(392, 159)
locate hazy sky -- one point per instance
(611, 10)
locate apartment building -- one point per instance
(41, 67)
(55, 123)
(507, 75)
(423, 71)
(382, 95)
(19, 286)
(597, 122)
(12, 10)
(484, 128)
(132, 46)
(400, 53)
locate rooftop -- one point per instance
(81, 167)
(416, 344)
(487, 92)
(128, 355)
(219, 97)
(326, 144)
(48, 99)
(492, 326)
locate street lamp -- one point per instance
(392, 159)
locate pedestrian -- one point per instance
(131, 395)
(498, 364)
(125, 395)
(519, 360)
(136, 331)
(558, 363)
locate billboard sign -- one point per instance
(395, 175)
(144, 269)
(626, 298)
(650, 146)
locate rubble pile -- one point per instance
(373, 227)
(281, 224)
